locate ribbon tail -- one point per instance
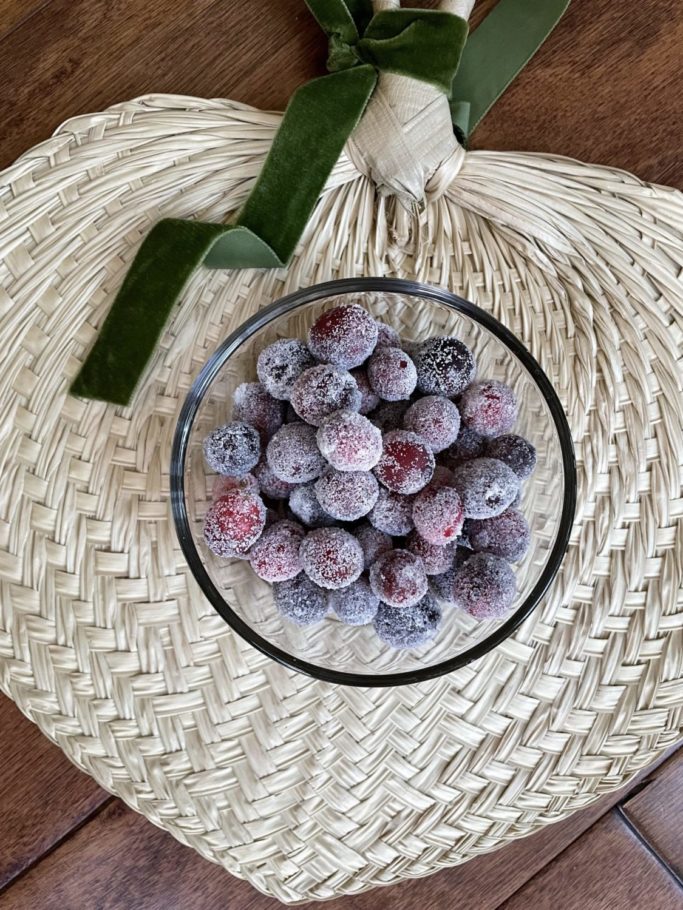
(497, 51)
(317, 123)
(319, 119)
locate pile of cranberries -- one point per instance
(360, 479)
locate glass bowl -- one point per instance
(330, 650)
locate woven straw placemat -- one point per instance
(306, 789)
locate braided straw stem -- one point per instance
(406, 136)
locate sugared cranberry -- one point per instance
(468, 445)
(293, 454)
(254, 405)
(392, 513)
(438, 515)
(269, 483)
(407, 463)
(233, 449)
(223, 485)
(300, 601)
(436, 559)
(441, 477)
(355, 605)
(368, 399)
(304, 504)
(234, 522)
(349, 441)
(514, 451)
(391, 374)
(387, 337)
(347, 495)
(507, 535)
(331, 557)
(345, 336)
(484, 586)
(445, 366)
(373, 543)
(436, 419)
(275, 555)
(280, 365)
(402, 627)
(321, 391)
(398, 578)
(489, 408)
(487, 487)
(389, 415)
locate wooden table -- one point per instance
(605, 88)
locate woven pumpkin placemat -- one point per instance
(306, 789)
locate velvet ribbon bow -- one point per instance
(428, 45)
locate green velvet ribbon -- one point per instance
(495, 53)
(423, 44)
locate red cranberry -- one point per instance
(484, 587)
(436, 559)
(293, 454)
(438, 515)
(391, 374)
(507, 535)
(257, 407)
(445, 366)
(435, 419)
(407, 463)
(392, 513)
(280, 365)
(368, 399)
(398, 578)
(489, 408)
(347, 495)
(331, 557)
(373, 543)
(275, 555)
(345, 336)
(234, 522)
(321, 391)
(349, 441)
(223, 485)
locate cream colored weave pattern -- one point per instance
(306, 789)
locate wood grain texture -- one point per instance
(657, 812)
(605, 87)
(13, 12)
(606, 869)
(42, 795)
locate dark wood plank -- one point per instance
(657, 812)
(88, 54)
(121, 861)
(42, 795)
(606, 869)
(12, 12)
(151, 871)
(605, 88)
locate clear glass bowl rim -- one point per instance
(203, 383)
